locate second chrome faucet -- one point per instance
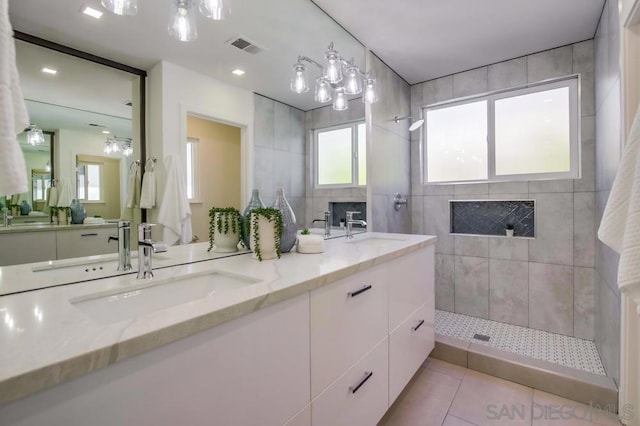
(147, 246)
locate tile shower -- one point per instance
(545, 283)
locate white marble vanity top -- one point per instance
(40, 227)
(46, 340)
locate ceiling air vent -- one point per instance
(245, 45)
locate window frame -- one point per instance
(353, 125)
(195, 175)
(86, 181)
(572, 82)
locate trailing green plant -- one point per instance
(509, 226)
(229, 218)
(305, 231)
(272, 215)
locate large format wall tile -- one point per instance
(436, 221)
(472, 286)
(550, 64)
(470, 82)
(551, 298)
(438, 90)
(584, 302)
(508, 74)
(554, 230)
(445, 282)
(508, 289)
(509, 249)
(587, 181)
(263, 122)
(584, 238)
(471, 246)
(583, 63)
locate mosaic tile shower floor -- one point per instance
(563, 350)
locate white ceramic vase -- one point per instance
(310, 244)
(225, 243)
(267, 237)
(509, 232)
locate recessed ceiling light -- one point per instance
(48, 70)
(89, 11)
(106, 132)
(237, 71)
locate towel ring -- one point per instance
(134, 165)
(150, 162)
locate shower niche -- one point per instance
(492, 217)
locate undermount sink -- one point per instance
(144, 297)
(373, 241)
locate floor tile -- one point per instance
(551, 409)
(455, 421)
(445, 368)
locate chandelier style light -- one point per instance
(115, 145)
(35, 135)
(338, 79)
(182, 21)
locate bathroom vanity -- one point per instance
(323, 339)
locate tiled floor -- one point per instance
(564, 350)
(449, 395)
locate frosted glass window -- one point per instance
(457, 143)
(93, 182)
(533, 133)
(88, 181)
(341, 155)
(191, 168)
(81, 182)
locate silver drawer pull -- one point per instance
(418, 326)
(93, 234)
(367, 376)
(359, 291)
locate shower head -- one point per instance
(414, 126)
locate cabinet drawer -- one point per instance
(409, 346)
(359, 397)
(411, 283)
(85, 242)
(348, 318)
(27, 247)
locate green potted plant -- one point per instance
(509, 229)
(225, 229)
(266, 233)
(309, 243)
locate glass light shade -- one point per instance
(352, 81)
(128, 150)
(370, 93)
(35, 135)
(323, 90)
(47, 167)
(182, 24)
(299, 82)
(340, 104)
(333, 68)
(121, 7)
(115, 147)
(107, 147)
(217, 10)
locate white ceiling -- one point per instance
(419, 39)
(425, 39)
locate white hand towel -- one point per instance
(148, 194)
(13, 112)
(133, 188)
(53, 196)
(174, 212)
(620, 226)
(65, 196)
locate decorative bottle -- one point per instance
(254, 203)
(289, 226)
(78, 212)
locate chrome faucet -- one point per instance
(351, 222)
(327, 224)
(146, 246)
(124, 245)
(7, 218)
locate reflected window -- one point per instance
(89, 181)
(191, 168)
(525, 134)
(341, 155)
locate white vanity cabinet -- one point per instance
(250, 371)
(85, 242)
(27, 247)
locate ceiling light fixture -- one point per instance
(182, 21)
(49, 70)
(237, 71)
(338, 76)
(89, 11)
(106, 132)
(47, 166)
(116, 144)
(35, 136)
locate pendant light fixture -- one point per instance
(214, 9)
(121, 7)
(116, 144)
(338, 79)
(35, 135)
(182, 23)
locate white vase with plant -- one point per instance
(225, 229)
(309, 243)
(265, 233)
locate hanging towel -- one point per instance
(620, 226)
(174, 212)
(65, 196)
(13, 112)
(133, 187)
(148, 194)
(53, 197)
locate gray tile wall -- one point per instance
(546, 283)
(317, 200)
(607, 157)
(279, 153)
(389, 150)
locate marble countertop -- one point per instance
(39, 227)
(46, 340)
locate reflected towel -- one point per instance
(148, 193)
(133, 187)
(14, 117)
(174, 212)
(53, 197)
(620, 226)
(65, 196)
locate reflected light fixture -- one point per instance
(35, 135)
(182, 21)
(338, 78)
(47, 166)
(90, 11)
(116, 144)
(238, 72)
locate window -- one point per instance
(192, 181)
(40, 182)
(88, 181)
(525, 134)
(341, 155)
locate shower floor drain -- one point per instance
(482, 337)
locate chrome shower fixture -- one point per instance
(414, 125)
